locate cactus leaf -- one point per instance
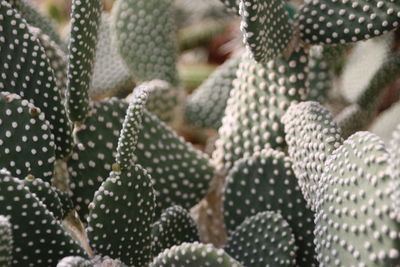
(312, 135)
(6, 241)
(174, 227)
(355, 220)
(264, 239)
(264, 182)
(25, 70)
(26, 143)
(334, 22)
(194, 254)
(85, 20)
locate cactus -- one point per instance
(273, 232)
(6, 241)
(85, 20)
(334, 22)
(355, 223)
(321, 136)
(265, 182)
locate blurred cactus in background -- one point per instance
(199, 133)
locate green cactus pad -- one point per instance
(163, 99)
(355, 221)
(26, 143)
(6, 241)
(121, 214)
(395, 165)
(33, 17)
(311, 135)
(262, 240)
(320, 76)
(261, 95)
(131, 128)
(334, 22)
(38, 238)
(263, 182)
(67, 204)
(26, 71)
(175, 226)
(85, 20)
(46, 194)
(181, 174)
(232, 5)
(147, 58)
(194, 254)
(110, 75)
(206, 106)
(265, 27)
(56, 57)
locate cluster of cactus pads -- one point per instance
(91, 179)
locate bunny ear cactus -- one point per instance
(6, 241)
(205, 107)
(110, 75)
(355, 220)
(265, 27)
(264, 239)
(320, 78)
(261, 95)
(85, 20)
(25, 132)
(128, 197)
(147, 58)
(25, 70)
(194, 254)
(174, 227)
(312, 135)
(264, 182)
(334, 22)
(38, 238)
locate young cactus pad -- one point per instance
(38, 238)
(6, 241)
(26, 142)
(334, 22)
(311, 135)
(174, 227)
(194, 254)
(264, 182)
(355, 220)
(121, 214)
(265, 27)
(134, 21)
(261, 95)
(262, 240)
(25, 70)
(85, 20)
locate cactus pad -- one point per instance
(265, 27)
(175, 226)
(147, 58)
(85, 20)
(261, 95)
(38, 238)
(46, 194)
(110, 75)
(206, 106)
(6, 241)
(25, 70)
(194, 254)
(334, 22)
(232, 5)
(266, 182)
(121, 214)
(26, 143)
(355, 221)
(312, 136)
(262, 240)
(320, 78)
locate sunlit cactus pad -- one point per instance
(355, 220)
(26, 142)
(332, 21)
